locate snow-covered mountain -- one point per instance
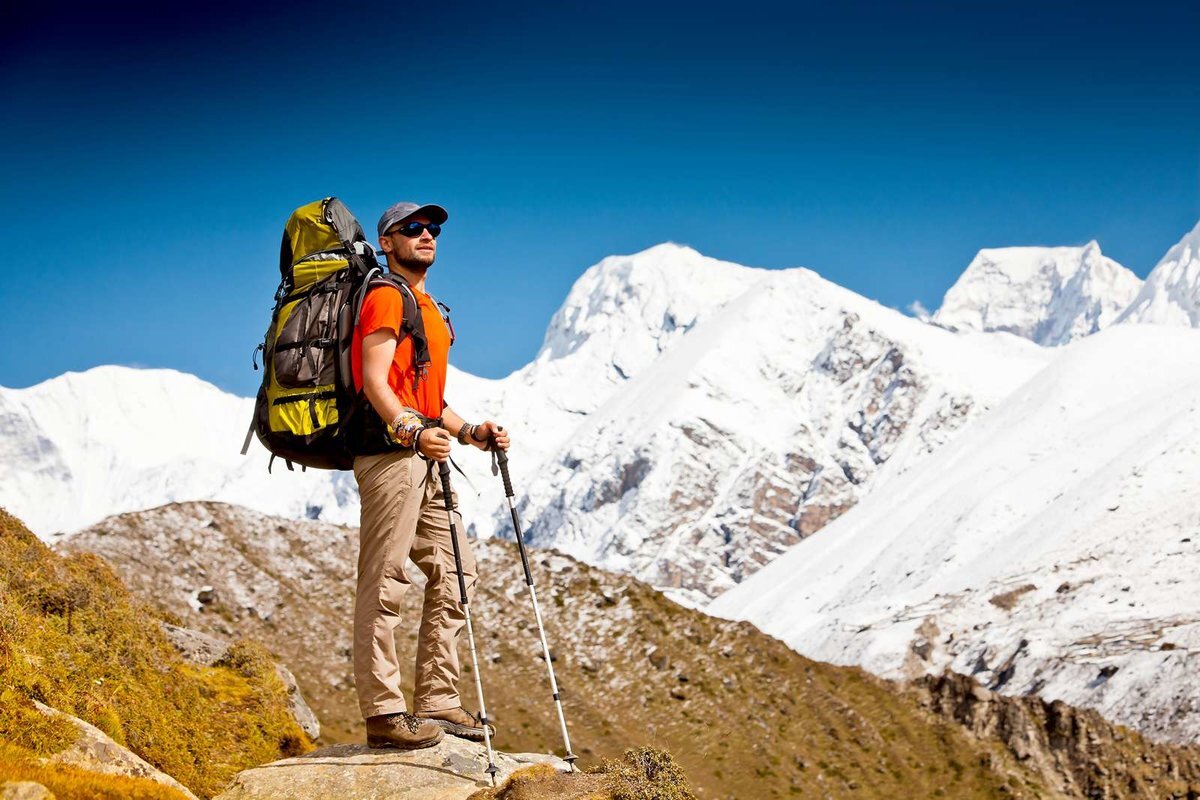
(1049, 295)
(1052, 548)
(1171, 294)
(686, 420)
(83, 446)
(741, 410)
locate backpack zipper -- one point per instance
(311, 396)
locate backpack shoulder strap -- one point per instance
(413, 324)
(444, 310)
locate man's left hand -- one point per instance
(489, 433)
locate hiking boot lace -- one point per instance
(409, 721)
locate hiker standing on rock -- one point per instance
(403, 507)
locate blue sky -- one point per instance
(151, 155)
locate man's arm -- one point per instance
(379, 348)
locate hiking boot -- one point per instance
(402, 731)
(458, 722)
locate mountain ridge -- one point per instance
(1171, 293)
(743, 714)
(847, 384)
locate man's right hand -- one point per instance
(435, 443)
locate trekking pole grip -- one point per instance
(502, 461)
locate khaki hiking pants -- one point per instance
(404, 516)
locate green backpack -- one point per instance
(307, 410)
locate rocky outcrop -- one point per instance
(453, 770)
(94, 751)
(1077, 751)
(207, 651)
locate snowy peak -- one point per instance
(623, 313)
(1171, 295)
(1050, 295)
(648, 295)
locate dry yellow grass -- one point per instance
(642, 773)
(72, 637)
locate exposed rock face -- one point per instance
(1079, 753)
(452, 770)
(777, 401)
(206, 651)
(96, 752)
(1052, 547)
(196, 647)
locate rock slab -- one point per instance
(453, 770)
(95, 751)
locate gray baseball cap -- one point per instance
(403, 210)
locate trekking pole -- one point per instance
(502, 460)
(444, 473)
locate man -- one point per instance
(403, 507)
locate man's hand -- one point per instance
(434, 443)
(489, 433)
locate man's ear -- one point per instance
(385, 244)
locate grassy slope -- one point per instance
(745, 716)
(73, 637)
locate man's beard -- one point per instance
(415, 263)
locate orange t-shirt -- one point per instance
(384, 308)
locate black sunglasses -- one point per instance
(414, 229)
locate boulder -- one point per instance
(94, 751)
(453, 770)
(24, 790)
